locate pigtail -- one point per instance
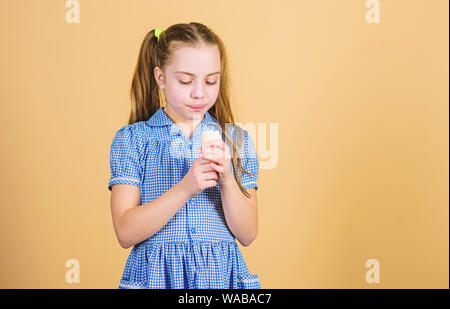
(144, 93)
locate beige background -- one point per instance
(362, 111)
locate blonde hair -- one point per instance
(147, 98)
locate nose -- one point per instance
(198, 92)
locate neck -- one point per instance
(188, 126)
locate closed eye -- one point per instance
(187, 83)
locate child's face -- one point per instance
(201, 88)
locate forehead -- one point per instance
(199, 60)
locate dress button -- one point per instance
(193, 230)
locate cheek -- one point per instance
(213, 93)
(176, 95)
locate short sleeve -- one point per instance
(124, 158)
(250, 163)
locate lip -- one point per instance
(197, 107)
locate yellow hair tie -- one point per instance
(158, 32)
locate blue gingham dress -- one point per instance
(195, 249)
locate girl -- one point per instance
(181, 204)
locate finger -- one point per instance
(211, 183)
(211, 146)
(205, 167)
(218, 168)
(213, 151)
(203, 149)
(203, 161)
(214, 142)
(218, 144)
(211, 175)
(227, 151)
(221, 147)
(213, 158)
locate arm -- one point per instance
(133, 223)
(241, 213)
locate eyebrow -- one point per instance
(182, 72)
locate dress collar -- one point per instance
(160, 118)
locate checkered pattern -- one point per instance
(195, 249)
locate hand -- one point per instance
(199, 177)
(219, 156)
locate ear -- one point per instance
(159, 76)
